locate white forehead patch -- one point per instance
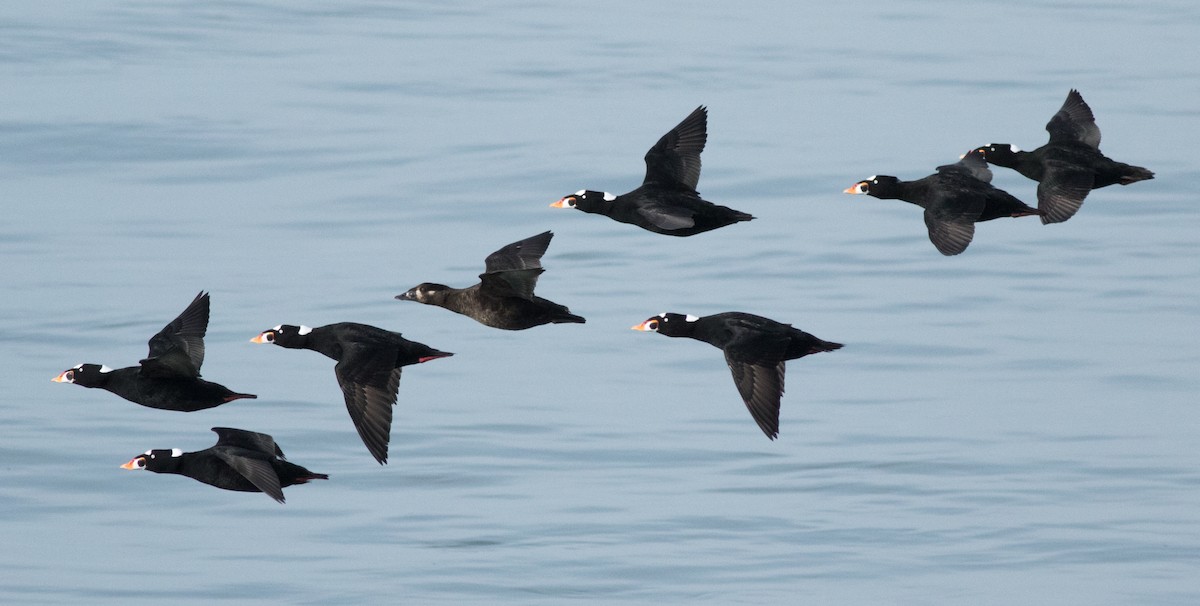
(691, 318)
(78, 366)
(304, 329)
(278, 328)
(872, 177)
(580, 192)
(104, 368)
(147, 453)
(609, 197)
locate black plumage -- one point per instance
(169, 377)
(504, 296)
(1070, 165)
(667, 201)
(368, 366)
(241, 460)
(955, 198)
(756, 349)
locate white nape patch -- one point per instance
(104, 368)
(609, 197)
(580, 192)
(278, 328)
(304, 329)
(1014, 148)
(691, 318)
(176, 452)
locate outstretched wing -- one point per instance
(1062, 190)
(514, 269)
(676, 156)
(755, 357)
(524, 254)
(950, 236)
(1074, 122)
(512, 283)
(250, 440)
(178, 349)
(972, 163)
(952, 211)
(761, 388)
(370, 383)
(254, 466)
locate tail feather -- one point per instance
(825, 346)
(568, 318)
(1135, 174)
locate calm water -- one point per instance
(1016, 425)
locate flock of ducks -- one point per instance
(370, 359)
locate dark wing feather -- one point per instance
(676, 156)
(513, 270)
(253, 466)
(755, 357)
(668, 217)
(250, 440)
(1074, 122)
(525, 254)
(951, 237)
(952, 212)
(370, 384)
(973, 164)
(511, 283)
(178, 349)
(761, 387)
(1062, 190)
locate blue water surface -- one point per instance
(1014, 425)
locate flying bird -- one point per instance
(241, 460)
(368, 366)
(756, 349)
(504, 297)
(1070, 165)
(667, 201)
(169, 377)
